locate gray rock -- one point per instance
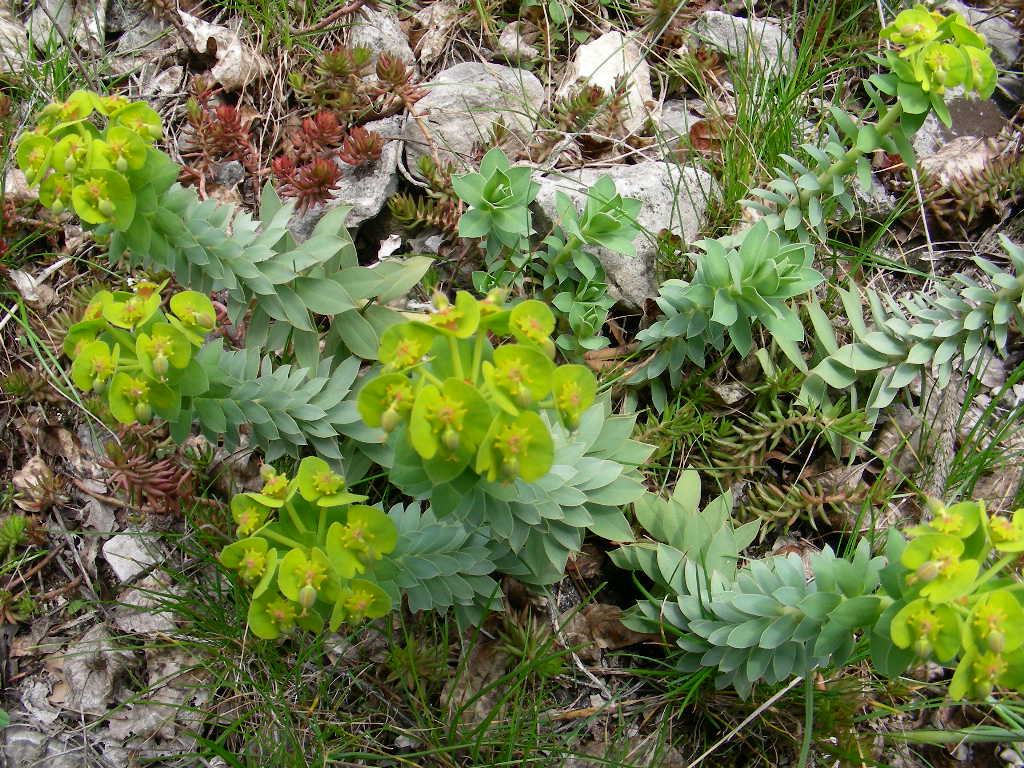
(78, 21)
(757, 41)
(129, 554)
(380, 31)
(144, 33)
(366, 188)
(465, 101)
(602, 62)
(674, 197)
(13, 43)
(678, 115)
(998, 31)
(514, 46)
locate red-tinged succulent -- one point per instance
(361, 147)
(309, 184)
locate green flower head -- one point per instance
(1007, 533)
(928, 629)
(516, 447)
(94, 365)
(519, 376)
(317, 482)
(248, 557)
(460, 319)
(359, 600)
(386, 401)
(248, 513)
(996, 622)
(977, 674)
(162, 348)
(129, 399)
(575, 389)
(405, 345)
(271, 615)
(935, 559)
(913, 27)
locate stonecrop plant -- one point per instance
(302, 546)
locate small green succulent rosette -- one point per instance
(303, 546)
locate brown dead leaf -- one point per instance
(464, 694)
(587, 564)
(598, 627)
(90, 668)
(707, 135)
(437, 22)
(38, 488)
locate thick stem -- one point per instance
(845, 164)
(805, 746)
(281, 539)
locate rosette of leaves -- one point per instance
(140, 358)
(499, 197)
(124, 190)
(439, 564)
(917, 334)
(764, 621)
(304, 547)
(736, 287)
(573, 279)
(499, 436)
(956, 599)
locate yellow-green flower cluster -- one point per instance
(128, 349)
(465, 405)
(303, 545)
(957, 605)
(95, 172)
(938, 52)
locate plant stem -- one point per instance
(453, 345)
(843, 165)
(805, 746)
(478, 354)
(281, 539)
(296, 521)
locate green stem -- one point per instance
(321, 525)
(992, 572)
(478, 355)
(805, 746)
(453, 345)
(845, 164)
(281, 539)
(296, 521)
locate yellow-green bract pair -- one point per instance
(463, 403)
(302, 544)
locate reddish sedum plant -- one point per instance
(361, 147)
(309, 184)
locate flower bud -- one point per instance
(928, 571)
(143, 412)
(160, 365)
(58, 206)
(996, 641)
(70, 164)
(121, 164)
(105, 207)
(390, 419)
(307, 597)
(99, 385)
(510, 467)
(451, 439)
(922, 647)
